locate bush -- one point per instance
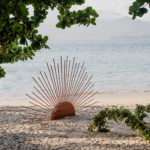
(134, 121)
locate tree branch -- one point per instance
(61, 7)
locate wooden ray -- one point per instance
(56, 78)
(64, 80)
(43, 96)
(50, 89)
(86, 93)
(84, 96)
(38, 118)
(85, 104)
(40, 99)
(47, 90)
(38, 102)
(73, 84)
(80, 87)
(70, 79)
(68, 82)
(76, 83)
(61, 78)
(84, 88)
(48, 96)
(35, 109)
(40, 107)
(37, 114)
(52, 83)
(89, 97)
(83, 110)
(59, 98)
(42, 90)
(53, 78)
(66, 91)
(39, 121)
(66, 77)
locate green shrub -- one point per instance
(134, 121)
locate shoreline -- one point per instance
(106, 100)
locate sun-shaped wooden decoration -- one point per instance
(68, 92)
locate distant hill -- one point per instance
(141, 37)
(126, 27)
(123, 28)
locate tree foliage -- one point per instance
(18, 28)
(134, 121)
(138, 8)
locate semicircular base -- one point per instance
(63, 109)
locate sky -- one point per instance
(112, 7)
(107, 10)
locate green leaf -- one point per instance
(2, 72)
(75, 15)
(89, 9)
(134, 16)
(19, 48)
(52, 6)
(23, 40)
(25, 57)
(136, 5)
(39, 37)
(14, 45)
(46, 46)
(35, 32)
(32, 27)
(58, 25)
(24, 11)
(16, 59)
(18, 27)
(93, 21)
(45, 38)
(130, 13)
(59, 17)
(143, 10)
(131, 9)
(46, 7)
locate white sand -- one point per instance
(70, 132)
(129, 100)
(15, 103)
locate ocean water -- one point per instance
(117, 66)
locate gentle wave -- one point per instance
(117, 66)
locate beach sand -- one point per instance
(69, 132)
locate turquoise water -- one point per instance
(117, 66)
